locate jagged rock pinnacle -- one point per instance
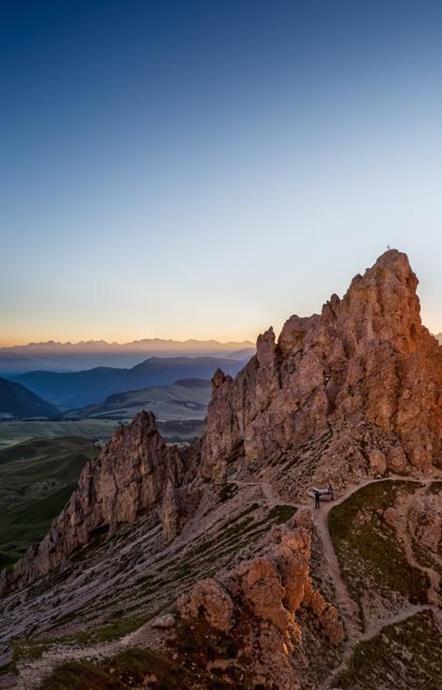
(367, 357)
(365, 371)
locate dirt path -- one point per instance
(400, 617)
(353, 631)
(35, 671)
(347, 607)
(31, 674)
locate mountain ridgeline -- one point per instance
(349, 397)
(54, 356)
(186, 399)
(366, 365)
(77, 389)
(17, 402)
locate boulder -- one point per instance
(208, 599)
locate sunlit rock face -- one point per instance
(256, 605)
(366, 358)
(365, 369)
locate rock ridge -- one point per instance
(256, 603)
(366, 358)
(365, 363)
(135, 473)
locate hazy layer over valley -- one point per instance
(54, 356)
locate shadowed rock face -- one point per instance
(127, 480)
(365, 360)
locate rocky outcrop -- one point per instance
(366, 358)
(209, 599)
(378, 461)
(262, 597)
(425, 520)
(135, 473)
(365, 371)
(170, 512)
(274, 585)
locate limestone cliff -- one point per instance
(365, 360)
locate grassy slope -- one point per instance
(36, 479)
(19, 402)
(368, 549)
(19, 431)
(405, 655)
(127, 670)
(178, 401)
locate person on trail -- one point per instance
(317, 499)
(331, 492)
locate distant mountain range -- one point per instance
(54, 356)
(18, 402)
(78, 389)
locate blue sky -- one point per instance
(206, 169)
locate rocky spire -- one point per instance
(127, 480)
(367, 357)
(365, 360)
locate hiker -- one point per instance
(331, 492)
(317, 498)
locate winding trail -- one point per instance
(33, 672)
(348, 608)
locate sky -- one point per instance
(206, 169)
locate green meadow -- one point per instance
(12, 432)
(37, 477)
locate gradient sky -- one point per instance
(205, 169)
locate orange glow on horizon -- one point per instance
(121, 340)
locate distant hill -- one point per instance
(18, 402)
(78, 389)
(183, 400)
(245, 353)
(54, 356)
